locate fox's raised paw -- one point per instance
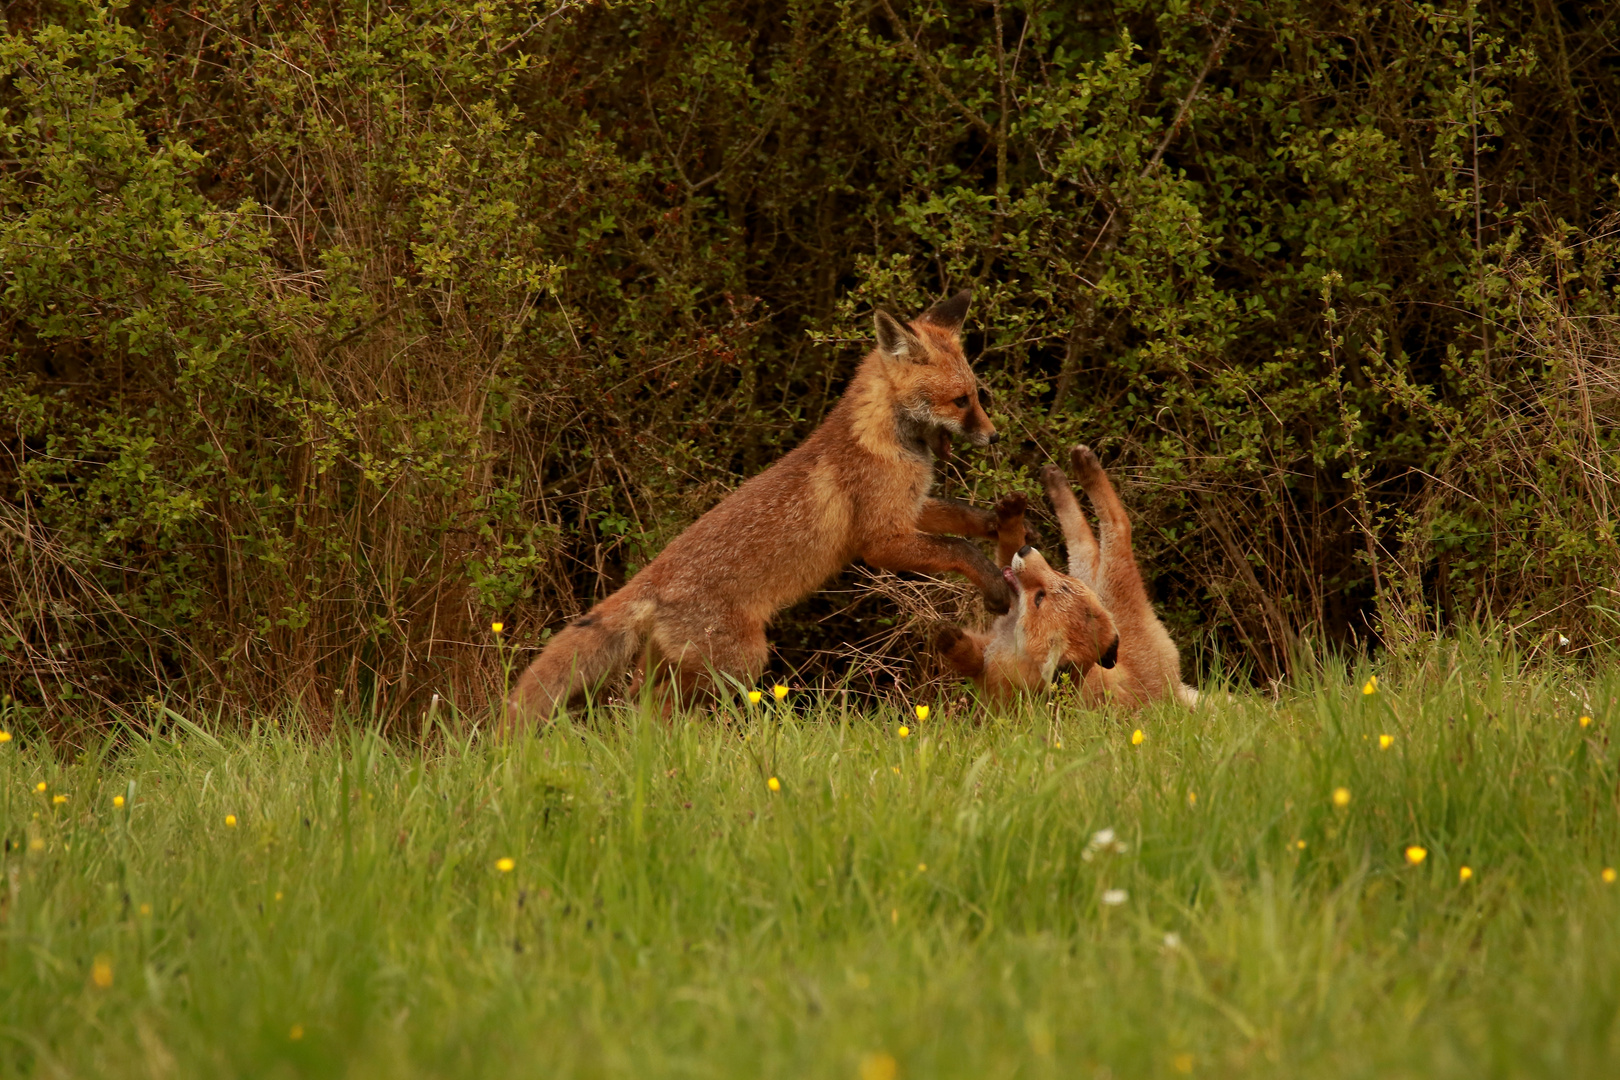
(1086, 465)
(1011, 506)
(947, 636)
(1053, 479)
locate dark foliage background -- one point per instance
(336, 330)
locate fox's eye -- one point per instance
(961, 402)
(1039, 596)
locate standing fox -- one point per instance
(1063, 620)
(857, 488)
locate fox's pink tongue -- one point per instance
(1012, 578)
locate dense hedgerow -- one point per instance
(336, 330)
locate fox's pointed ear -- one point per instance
(949, 313)
(895, 341)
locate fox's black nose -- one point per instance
(993, 439)
(1026, 551)
(1110, 656)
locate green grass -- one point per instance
(668, 915)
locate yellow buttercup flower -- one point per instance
(754, 696)
(922, 868)
(40, 786)
(904, 731)
(1137, 737)
(922, 712)
(1415, 854)
(1341, 797)
(230, 821)
(36, 844)
(497, 627)
(5, 736)
(118, 802)
(58, 800)
(1371, 685)
(774, 784)
(1182, 1063)
(1464, 873)
(101, 972)
(505, 865)
(880, 1066)
(1607, 875)
(146, 909)
(1192, 798)
(1586, 721)
(295, 1032)
(779, 691)
(1385, 741)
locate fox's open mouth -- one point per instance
(1011, 578)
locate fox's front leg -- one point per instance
(920, 553)
(948, 517)
(1011, 535)
(962, 649)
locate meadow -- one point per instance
(1344, 878)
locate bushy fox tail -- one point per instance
(582, 655)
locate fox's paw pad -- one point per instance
(1010, 507)
(1085, 463)
(1053, 479)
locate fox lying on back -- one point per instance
(1096, 619)
(857, 488)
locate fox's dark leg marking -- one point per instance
(1011, 535)
(960, 649)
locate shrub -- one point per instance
(337, 332)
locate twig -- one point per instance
(1186, 102)
(934, 80)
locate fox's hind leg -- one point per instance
(697, 654)
(1084, 554)
(1118, 580)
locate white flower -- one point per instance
(1172, 940)
(1115, 897)
(1102, 840)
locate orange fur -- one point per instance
(856, 488)
(1015, 655)
(1056, 624)
(1149, 665)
